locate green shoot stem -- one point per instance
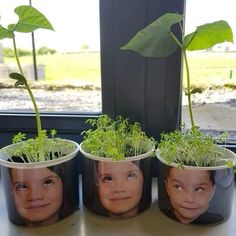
(188, 79)
(176, 40)
(17, 57)
(188, 88)
(38, 120)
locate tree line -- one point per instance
(8, 52)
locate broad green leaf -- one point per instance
(5, 33)
(21, 80)
(30, 19)
(208, 35)
(155, 39)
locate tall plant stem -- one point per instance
(38, 120)
(188, 88)
(188, 77)
(17, 57)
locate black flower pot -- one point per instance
(40, 193)
(196, 195)
(116, 189)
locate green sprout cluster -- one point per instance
(116, 139)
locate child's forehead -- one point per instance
(122, 167)
(186, 175)
(31, 175)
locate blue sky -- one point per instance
(76, 22)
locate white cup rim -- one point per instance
(42, 164)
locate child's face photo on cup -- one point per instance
(37, 194)
(120, 187)
(190, 192)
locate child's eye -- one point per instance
(107, 179)
(199, 189)
(21, 187)
(48, 182)
(178, 187)
(132, 176)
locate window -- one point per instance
(68, 60)
(213, 71)
(145, 90)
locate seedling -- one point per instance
(116, 139)
(36, 149)
(159, 40)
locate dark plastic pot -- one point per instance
(116, 189)
(231, 146)
(42, 193)
(196, 195)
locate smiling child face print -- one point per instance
(120, 187)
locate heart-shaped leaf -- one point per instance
(5, 33)
(155, 39)
(30, 19)
(208, 35)
(21, 80)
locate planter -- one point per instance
(116, 189)
(40, 193)
(231, 146)
(196, 195)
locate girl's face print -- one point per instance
(37, 194)
(120, 187)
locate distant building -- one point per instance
(224, 47)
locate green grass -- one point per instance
(207, 69)
(211, 69)
(81, 68)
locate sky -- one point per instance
(76, 22)
(206, 11)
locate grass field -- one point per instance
(81, 68)
(207, 69)
(212, 69)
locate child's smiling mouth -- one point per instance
(120, 198)
(37, 206)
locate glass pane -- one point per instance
(213, 71)
(68, 59)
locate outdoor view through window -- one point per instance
(68, 62)
(213, 71)
(68, 59)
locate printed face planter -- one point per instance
(41, 193)
(196, 195)
(116, 189)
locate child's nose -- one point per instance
(118, 185)
(36, 193)
(189, 196)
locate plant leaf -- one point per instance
(21, 80)
(30, 19)
(208, 35)
(155, 39)
(5, 33)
